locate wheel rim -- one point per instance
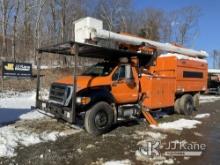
(189, 107)
(101, 119)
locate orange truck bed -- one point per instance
(171, 75)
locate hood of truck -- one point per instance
(85, 81)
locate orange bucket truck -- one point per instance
(136, 76)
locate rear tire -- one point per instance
(177, 106)
(218, 90)
(186, 104)
(196, 103)
(99, 118)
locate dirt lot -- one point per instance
(122, 143)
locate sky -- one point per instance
(209, 21)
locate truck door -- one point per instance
(124, 89)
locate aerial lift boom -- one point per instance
(92, 29)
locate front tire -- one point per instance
(186, 104)
(99, 118)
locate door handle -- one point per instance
(114, 84)
(121, 81)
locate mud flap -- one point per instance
(149, 117)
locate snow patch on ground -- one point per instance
(21, 100)
(186, 158)
(118, 162)
(150, 135)
(168, 161)
(32, 115)
(17, 106)
(153, 160)
(178, 124)
(90, 146)
(198, 134)
(156, 135)
(207, 98)
(11, 137)
(201, 116)
(16, 100)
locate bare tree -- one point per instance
(37, 25)
(15, 30)
(29, 23)
(63, 4)
(6, 8)
(151, 24)
(67, 11)
(185, 23)
(26, 34)
(114, 13)
(63, 8)
(166, 28)
(53, 15)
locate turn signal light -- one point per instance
(83, 100)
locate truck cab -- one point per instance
(109, 84)
(120, 78)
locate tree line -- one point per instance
(29, 24)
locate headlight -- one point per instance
(83, 100)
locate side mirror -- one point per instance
(128, 72)
(139, 73)
(129, 76)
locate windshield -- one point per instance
(100, 69)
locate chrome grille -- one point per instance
(59, 93)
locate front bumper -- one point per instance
(59, 111)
